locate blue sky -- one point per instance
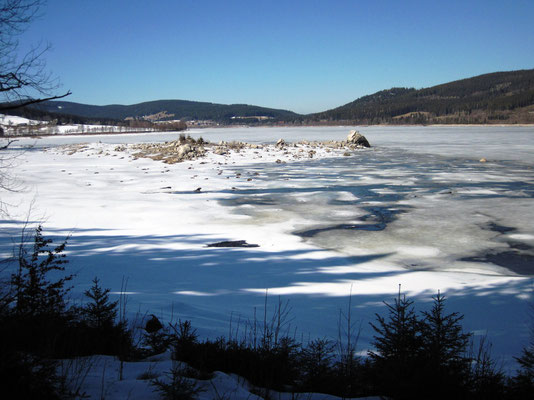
(306, 56)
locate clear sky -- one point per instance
(302, 55)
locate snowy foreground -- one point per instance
(418, 209)
(98, 376)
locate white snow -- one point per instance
(142, 221)
(20, 126)
(98, 378)
(14, 120)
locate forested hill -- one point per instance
(169, 110)
(496, 98)
(500, 97)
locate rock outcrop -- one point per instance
(356, 138)
(171, 152)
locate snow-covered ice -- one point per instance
(418, 209)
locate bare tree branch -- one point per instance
(24, 79)
(24, 103)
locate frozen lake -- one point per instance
(418, 209)
(499, 142)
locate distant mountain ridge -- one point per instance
(499, 97)
(168, 109)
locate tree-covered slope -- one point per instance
(500, 97)
(174, 109)
(495, 97)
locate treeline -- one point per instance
(179, 109)
(414, 356)
(482, 99)
(61, 118)
(50, 121)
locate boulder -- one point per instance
(221, 151)
(357, 139)
(280, 143)
(183, 150)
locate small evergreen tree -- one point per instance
(100, 312)
(97, 331)
(526, 361)
(397, 345)
(522, 385)
(443, 353)
(34, 294)
(486, 380)
(38, 316)
(176, 386)
(185, 340)
(33, 318)
(316, 360)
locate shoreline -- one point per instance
(201, 128)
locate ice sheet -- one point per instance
(418, 209)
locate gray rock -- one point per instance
(183, 150)
(357, 139)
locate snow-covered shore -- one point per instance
(98, 377)
(145, 221)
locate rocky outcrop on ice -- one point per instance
(173, 152)
(357, 139)
(189, 149)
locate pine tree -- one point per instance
(98, 329)
(522, 385)
(33, 317)
(34, 294)
(397, 337)
(397, 346)
(526, 361)
(443, 340)
(100, 312)
(443, 354)
(316, 363)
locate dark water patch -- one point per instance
(361, 227)
(254, 201)
(232, 243)
(519, 245)
(272, 196)
(519, 262)
(493, 226)
(376, 220)
(369, 195)
(371, 192)
(519, 259)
